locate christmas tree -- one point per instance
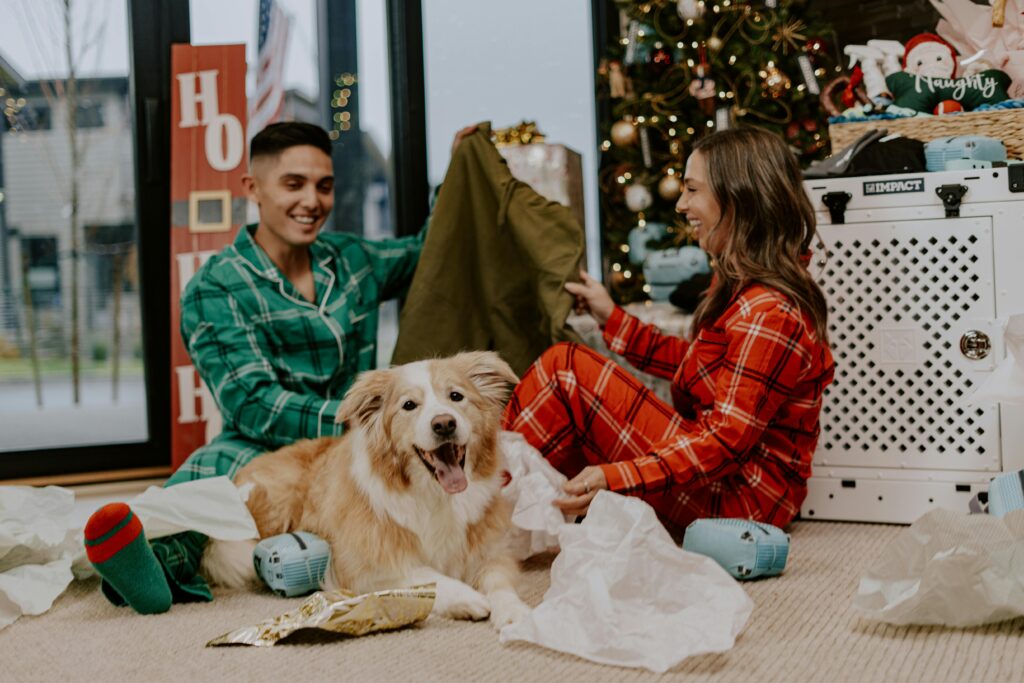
(680, 70)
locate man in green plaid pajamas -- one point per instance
(280, 322)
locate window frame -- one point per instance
(160, 23)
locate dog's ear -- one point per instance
(489, 373)
(365, 398)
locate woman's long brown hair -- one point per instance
(770, 221)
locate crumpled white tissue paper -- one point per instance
(214, 507)
(37, 548)
(623, 593)
(949, 568)
(1006, 382)
(534, 487)
(41, 547)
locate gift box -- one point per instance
(553, 171)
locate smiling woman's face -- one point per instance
(698, 203)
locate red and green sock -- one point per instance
(117, 548)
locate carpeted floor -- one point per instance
(803, 629)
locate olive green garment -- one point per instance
(493, 268)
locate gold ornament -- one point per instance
(715, 43)
(685, 233)
(775, 81)
(788, 35)
(669, 188)
(624, 133)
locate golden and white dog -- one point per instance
(409, 495)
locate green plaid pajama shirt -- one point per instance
(276, 364)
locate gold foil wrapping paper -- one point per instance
(340, 612)
(525, 133)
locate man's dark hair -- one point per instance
(277, 137)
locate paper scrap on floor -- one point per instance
(948, 568)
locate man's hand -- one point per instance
(461, 135)
(581, 489)
(593, 297)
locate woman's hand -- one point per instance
(592, 297)
(461, 135)
(581, 489)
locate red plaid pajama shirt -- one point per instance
(739, 437)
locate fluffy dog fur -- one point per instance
(409, 495)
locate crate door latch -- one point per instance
(951, 196)
(836, 203)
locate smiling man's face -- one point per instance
(294, 191)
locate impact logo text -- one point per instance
(894, 186)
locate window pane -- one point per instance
(481, 66)
(227, 22)
(374, 122)
(71, 368)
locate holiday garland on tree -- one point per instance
(682, 69)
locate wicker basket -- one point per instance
(1002, 124)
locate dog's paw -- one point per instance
(507, 608)
(456, 600)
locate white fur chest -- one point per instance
(438, 519)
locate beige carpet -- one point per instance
(803, 629)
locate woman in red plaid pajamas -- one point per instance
(738, 438)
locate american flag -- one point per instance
(266, 105)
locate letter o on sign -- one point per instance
(224, 142)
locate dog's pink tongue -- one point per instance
(451, 477)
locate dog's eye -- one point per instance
(409, 405)
(456, 396)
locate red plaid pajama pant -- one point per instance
(579, 408)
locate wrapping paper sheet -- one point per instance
(951, 569)
(213, 506)
(534, 487)
(622, 592)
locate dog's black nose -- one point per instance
(443, 425)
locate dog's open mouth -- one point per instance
(446, 463)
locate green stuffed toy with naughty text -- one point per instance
(927, 81)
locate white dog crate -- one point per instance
(915, 283)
